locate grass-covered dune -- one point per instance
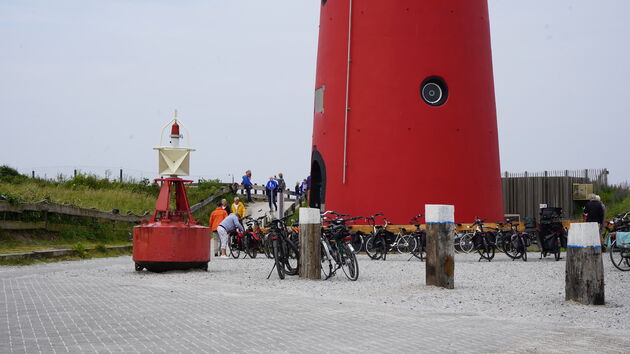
(87, 191)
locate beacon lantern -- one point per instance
(405, 110)
(172, 238)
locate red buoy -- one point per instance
(404, 109)
(171, 239)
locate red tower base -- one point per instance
(161, 246)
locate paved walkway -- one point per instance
(103, 306)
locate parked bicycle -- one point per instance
(285, 252)
(419, 236)
(337, 251)
(552, 235)
(484, 241)
(379, 242)
(618, 241)
(515, 243)
(252, 239)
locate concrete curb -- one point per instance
(55, 253)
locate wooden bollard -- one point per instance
(440, 261)
(584, 280)
(310, 246)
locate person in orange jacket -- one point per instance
(215, 219)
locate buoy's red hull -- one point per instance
(166, 246)
(402, 153)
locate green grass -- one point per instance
(89, 191)
(101, 199)
(616, 199)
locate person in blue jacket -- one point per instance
(229, 224)
(270, 188)
(247, 184)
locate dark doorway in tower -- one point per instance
(317, 196)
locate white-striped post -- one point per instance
(584, 280)
(440, 261)
(310, 246)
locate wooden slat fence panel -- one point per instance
(524, 192)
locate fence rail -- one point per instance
(66, 210)
(523, 192)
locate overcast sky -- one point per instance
(89, 84)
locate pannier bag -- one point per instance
(623, 239)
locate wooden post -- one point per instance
(440, 263)
(33, 174)
(121, 176)
(584, 280)
(75, 173)
(310, 246)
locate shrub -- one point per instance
(79, 249)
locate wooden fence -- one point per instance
(524, 192)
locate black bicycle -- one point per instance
(337, 251)
(377, 244)
(420, 237)
(286, 254)
(483, 241)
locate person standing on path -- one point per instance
(216, 217)
(281, 187)
(297, 191)
(225, 206)
(303, 187)
(270, 188)
(594, 211)
(247, 184)
(229, 224)
(238, 208)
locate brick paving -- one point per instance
(103, 306)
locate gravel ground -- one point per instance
(531, 291)
(501, 289)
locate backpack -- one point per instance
(282, 186)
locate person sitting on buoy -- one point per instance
(229, 224)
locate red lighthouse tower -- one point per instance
(404, 109)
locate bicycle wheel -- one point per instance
(406, 244)
(267, 247)
(382, 242)
(235, 251)
(326, 263)
(277, 254)
(418, 249)
(292, 259)
(372, 248)
(556, 252)
(486, 251)
(510, 250)
(357, 241)
(524, 255)
(620, 257)
(251, 248)
(349, 263)
(466, 243)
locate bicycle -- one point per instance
(484, 241)
(516, 245)
(252, 241)
(419, 237)
(377, 245)
(618, 241)
(337, 251)
(286, 253)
